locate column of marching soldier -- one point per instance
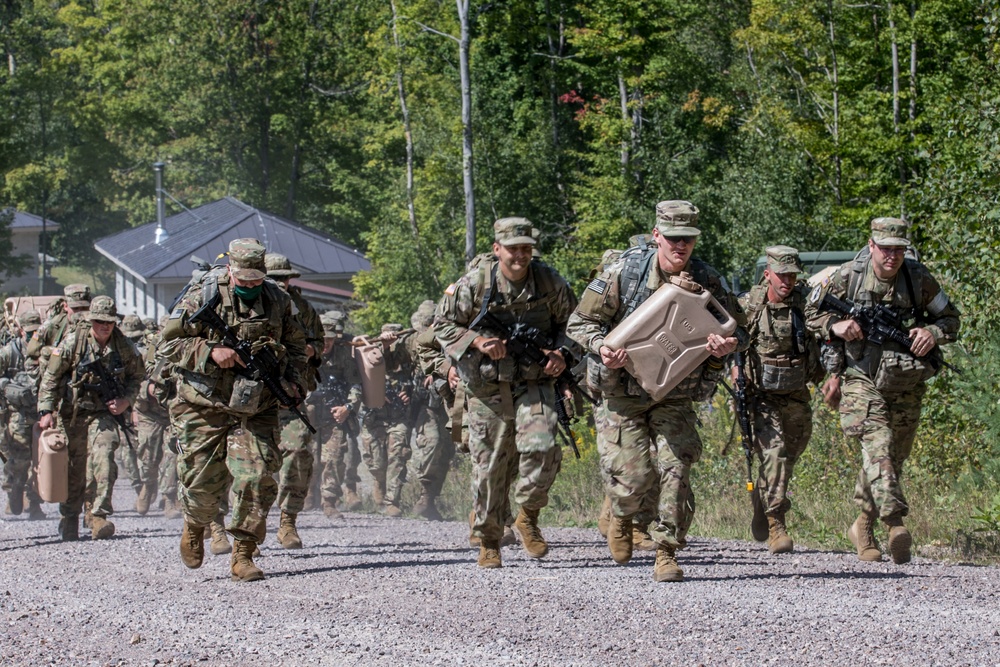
(213, 407)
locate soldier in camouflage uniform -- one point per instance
(338, 401)
(19, 376)
(227, 423)
(511, 402)
(92, 425)
(385, 431)
(783, 357)
(161, 389)
(64, 315)
(638, 439)
(128, 458)
(296, 455)
(883, 386)
(434, 448)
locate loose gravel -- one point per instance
(370, 590)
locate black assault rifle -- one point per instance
(262, 365)
(108, 388)
(879, 323)
(743, 404)
(530, 343)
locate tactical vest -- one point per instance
(535, 312)
(78, 395)
(19, 387)
(785, 354)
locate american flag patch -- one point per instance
(597, 285)
(450, 290)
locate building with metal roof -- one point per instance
(26, 238)
(153, 262)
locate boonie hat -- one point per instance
(783, 259)
(676, 217)
(514, 231)
(103, 309)
(246, 259)
(29, 320)
(278, 266)
(132, 326)
(392, 327)
(423, 317)
(891, 231)
(77, 295)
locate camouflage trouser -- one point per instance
(218, 449)
(93, 472)
(498, 438)
(15, 443)
(782, 428)
(434, 448)
(128, 463)
(885, 426)
(152, 430)
(648, 511)
(296, 463)
(385, 448)
(168, 474)
(641, 444)
(334, 454)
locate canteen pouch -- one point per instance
(245, 399)
(899, 372)
(782, 378)
(602, 379)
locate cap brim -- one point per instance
(892, 241)
(784, 268)
(101, 318)
(78, 304)
(31, 328)
(678, 231)
(518, 240)
(283, 274)
(248, 274)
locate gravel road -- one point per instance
(369, 590)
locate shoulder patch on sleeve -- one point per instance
(450, 290)
(815, 294)
(177, 314)
(598, 285)
(56, 352)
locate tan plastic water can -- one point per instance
(52, 469)
(371, 366)
(665, 336)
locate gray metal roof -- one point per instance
(206, 232)
(24, 220)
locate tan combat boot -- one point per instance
(489, 554)
(330, 510)
(69, 528)
(352, 501)
(508, 539)
(171, 508)
(778, 541)
(604, 518)
(862, 536)
(35, 511)
(666, 568)
(241, 564)
(143, 499)
(192, 545)
(288, 535)
(15, 502)
(392, 510)
(220, 541)
(426, 508)
(378, 495)
(900, 540)
(87, 506)
(620, 539)
(474, 541)
(641, 539)
(531, 535)
(100, 528)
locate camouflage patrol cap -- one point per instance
(246, 259)
(278, 266)
(29, 320)
(423, 317)
(891, 231)
(333, 323)
(132, 326)
(514, 231)
(783, 259)
(77, 295)
(392, 327)
(677, 218)
(103, 309)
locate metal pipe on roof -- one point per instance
(161, 231)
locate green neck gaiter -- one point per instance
(248, 294)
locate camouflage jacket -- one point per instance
(63, 386)
(268, 321)
(545, 301)
(783, 354)
(51, 334)
(19, 378)
(913, 293)
(312, 328)
(340, 381)
(602, 308)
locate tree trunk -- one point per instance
(896, 115)
(835, 84)
(463, 68)
(407, 132)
